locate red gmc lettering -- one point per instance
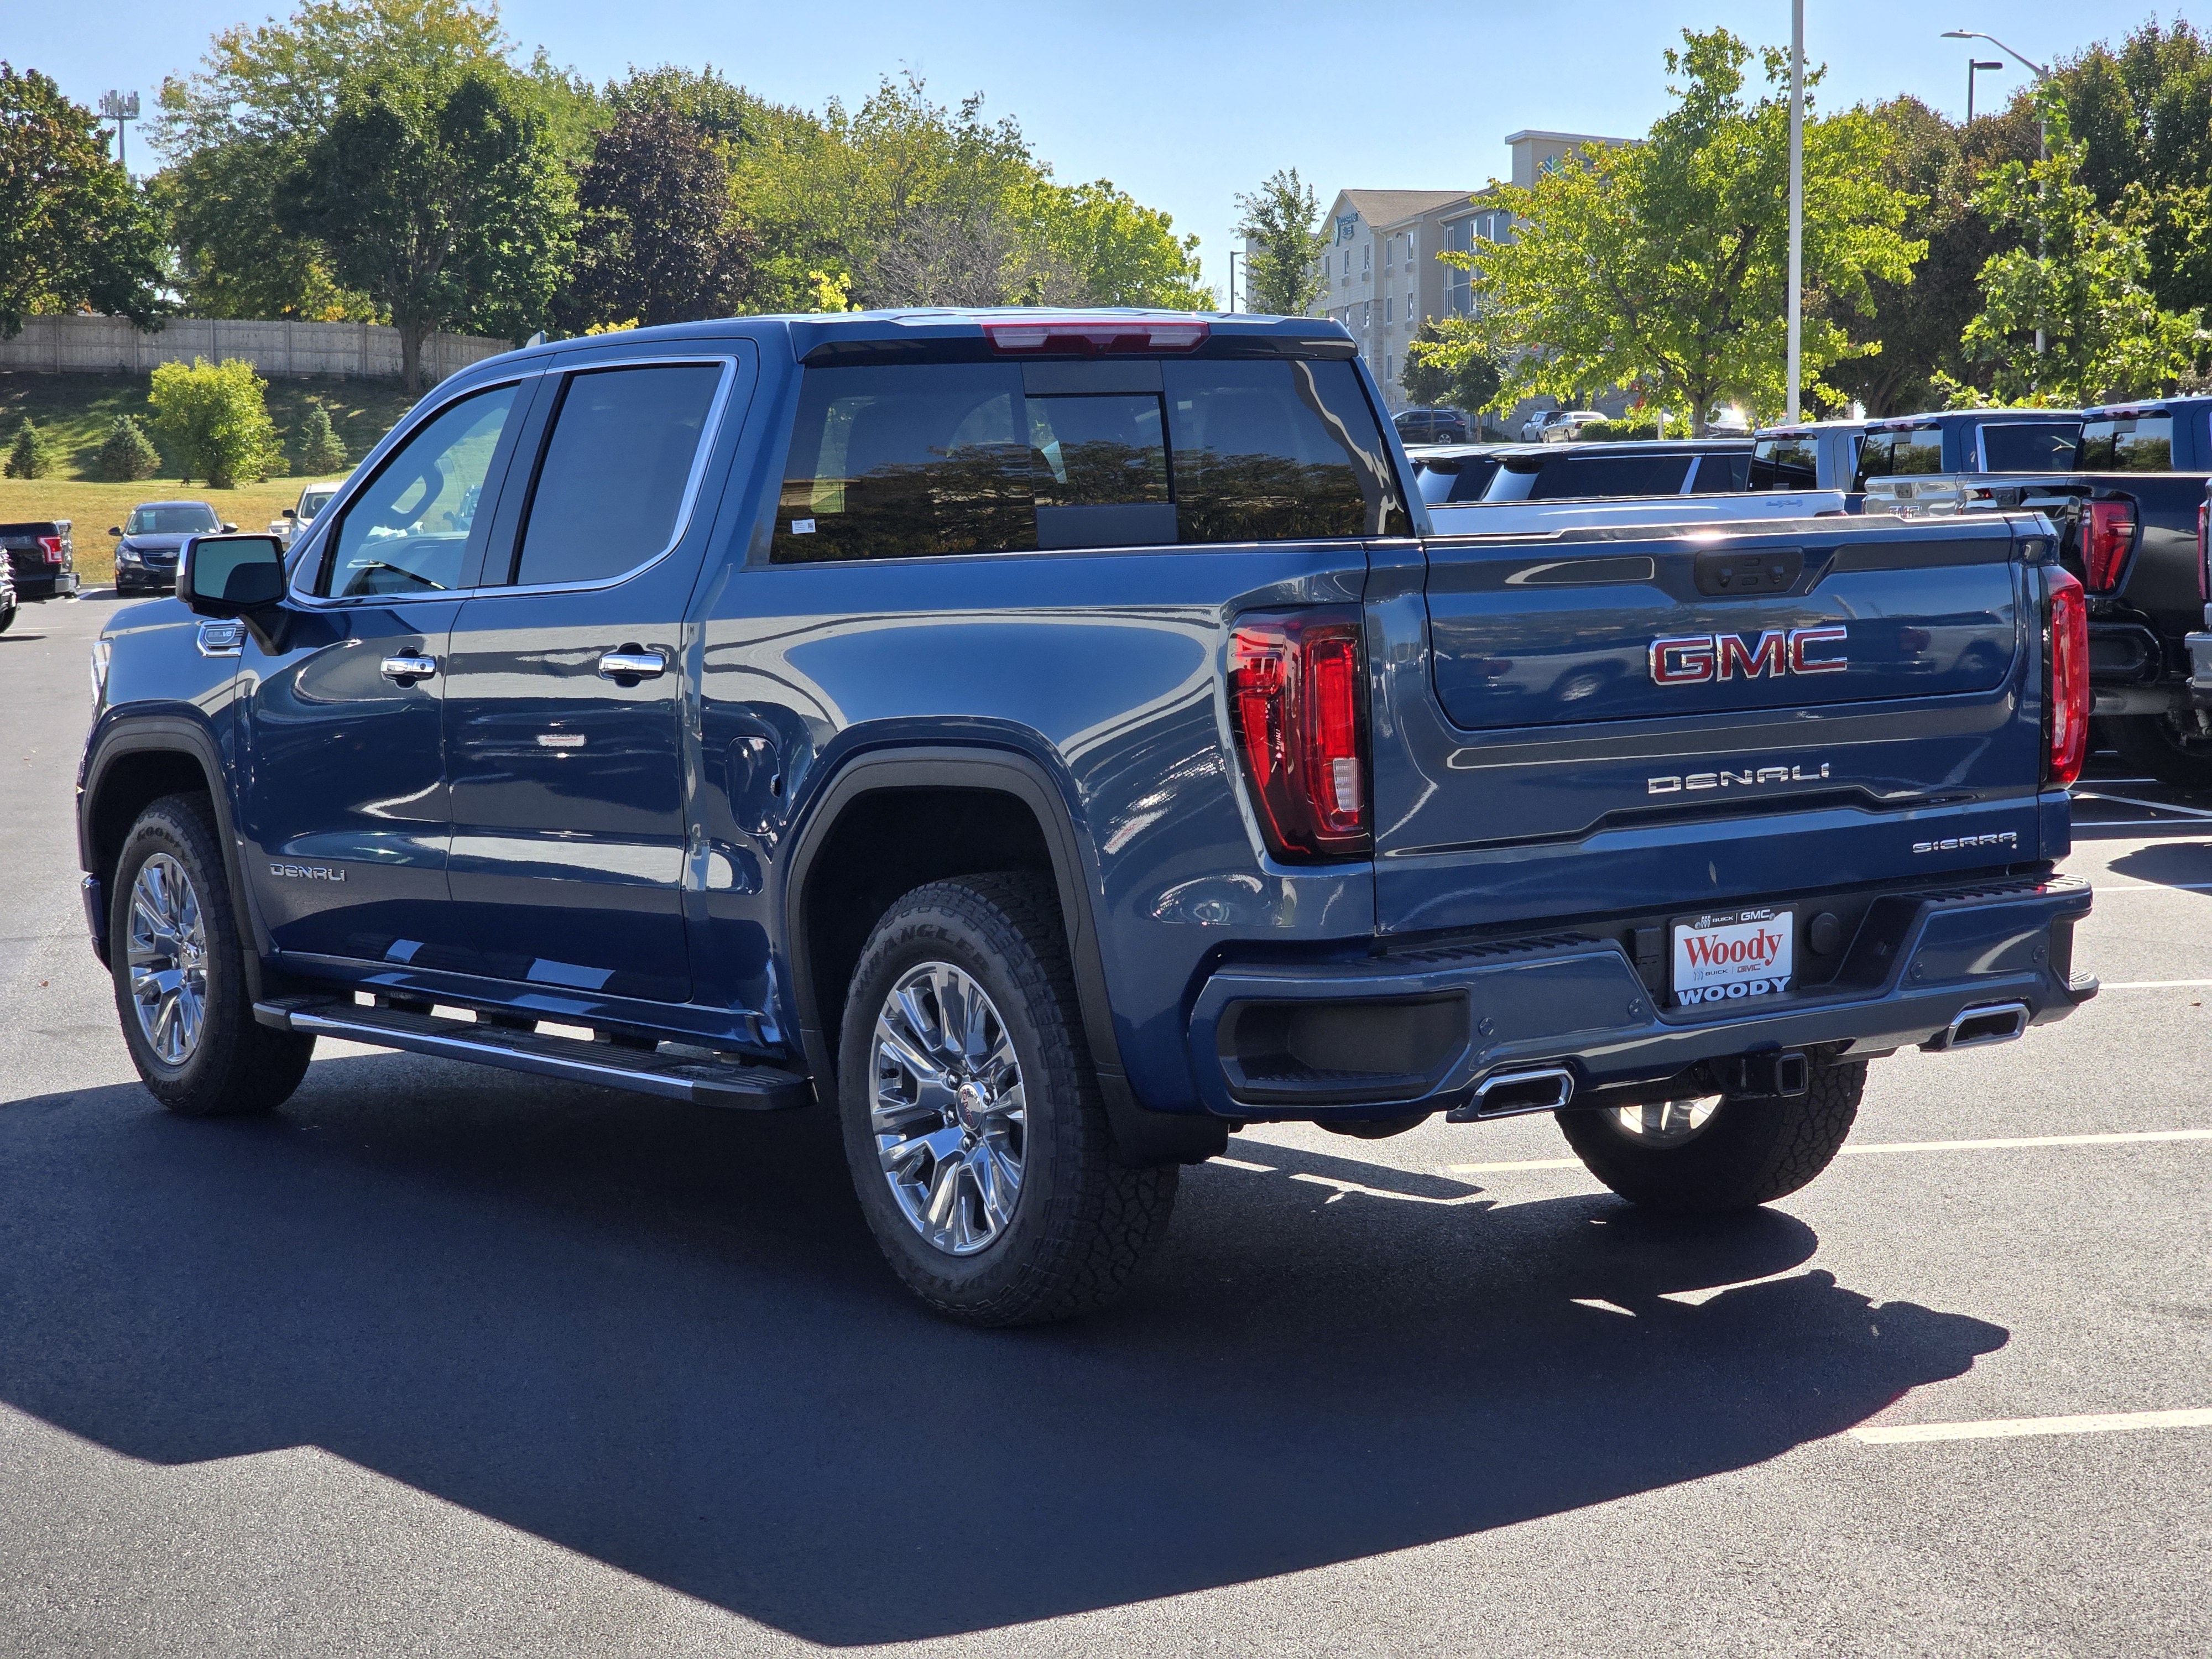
(1801, 637)
(1694, 658)
(1687, 660)
(1738, 658)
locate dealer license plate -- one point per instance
(1733, 955)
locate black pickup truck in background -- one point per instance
(2129, 515)
(40, 557)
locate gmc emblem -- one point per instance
(1694, 658)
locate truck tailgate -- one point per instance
(1689, 716)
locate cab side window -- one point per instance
(614, 476)
(407, 531)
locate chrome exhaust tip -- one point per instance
(1511, 1093)
(1976, 1028)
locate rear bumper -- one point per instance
(1456, 1015)
(52, 585)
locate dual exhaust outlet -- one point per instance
(1522, 1089)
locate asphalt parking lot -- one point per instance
(441, 1360)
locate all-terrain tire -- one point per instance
(1751, 1150)
(235, 1066)
(1082, 1227)
(2155, 743)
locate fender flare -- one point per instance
(1142, 1137)
(175, 734)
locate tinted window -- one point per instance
(314, 501)
(905, 462)
(1273, 451)
(1573, 476)
(2142, 443)
(1792, 463)
(1722, 474)
(407, 531)
(914, 461)
(2030, 446)
(616, 471)
(1893, 454)
(1455, 478)
(191, 519)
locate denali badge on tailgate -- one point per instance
(1741, 953)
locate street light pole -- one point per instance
(1796, 194)
(1233, 253)
(2042, 123)
(1973, 65)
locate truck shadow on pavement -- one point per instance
(660, 1336)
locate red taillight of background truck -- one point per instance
(2066, 682)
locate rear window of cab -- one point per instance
(2128, 443)
(920, 459)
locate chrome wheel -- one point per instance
(167, 958)
(1665, 1123)
(946, 1109)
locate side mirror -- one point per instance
(230, 530)
(115, 530)
(230, 576)
(291, 511)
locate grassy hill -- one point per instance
(78, 409)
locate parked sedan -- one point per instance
(146, 555)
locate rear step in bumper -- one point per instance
(1976, 965)
(641, 1071)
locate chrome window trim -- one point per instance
(710, 431)
(361, 478)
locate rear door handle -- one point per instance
(631, 664)
(407, 668)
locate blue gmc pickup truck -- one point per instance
(1051, 741)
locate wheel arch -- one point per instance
(956, 811)
(132, 765)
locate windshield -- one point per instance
(186, 519)
(2030, 445)
(2137, 443)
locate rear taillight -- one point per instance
(1092, 336)
(2066, 703)
(2108, 536)
(52, 547)
(1297, 699)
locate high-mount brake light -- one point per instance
(2108, 536)
(2066, 700)
(1094, 336)
(1297, 699)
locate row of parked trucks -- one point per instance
(2125, 485)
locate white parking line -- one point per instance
(2147, 805)
(2113, 1138)
(2003, 1428)
(2105, 887)
(2156, 984)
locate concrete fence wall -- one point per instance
(110, 345)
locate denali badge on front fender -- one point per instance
(306, 871)
(1694, 658)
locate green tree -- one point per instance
(34, 455)
(1284, 274)
(321, 449)
(1116, 252)
(216, 417)
(128, 454)
(439, 196)
(1438, 372)
(2082, 278)
(73, 230)
(656, 240)
(1664, 263)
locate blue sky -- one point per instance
(1183, 105)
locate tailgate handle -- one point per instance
(1725, 575)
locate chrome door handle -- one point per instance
(631, 664)
(408, 667)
